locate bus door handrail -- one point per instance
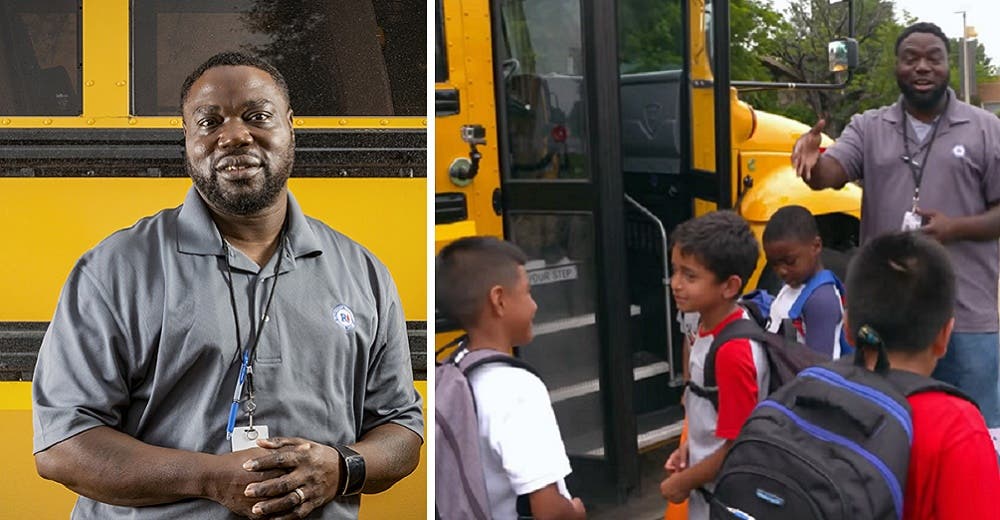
(668, 318)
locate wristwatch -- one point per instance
(353, 471)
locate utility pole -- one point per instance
(965, 59)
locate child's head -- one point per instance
(481, 281)
(902, 287)
(713, 256)
(792, 245)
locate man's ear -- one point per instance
(731, 287)
(940, 346)
(817, 244)
(496, 303)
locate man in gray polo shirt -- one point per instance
(180, 342)
(930, 162)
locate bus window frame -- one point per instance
(106, 58)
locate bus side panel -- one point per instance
(23, 494)
(51, 222)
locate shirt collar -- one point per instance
(198, 235)
(733, 316)
(954, 114)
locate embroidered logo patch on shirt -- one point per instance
(958, 151)
(344, 317)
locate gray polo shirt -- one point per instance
(143, 340)
(961, 178)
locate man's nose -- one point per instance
(234, 134)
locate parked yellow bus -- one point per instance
(563, 126)
(90, 141)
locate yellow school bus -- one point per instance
(90, 141)
(584, 132)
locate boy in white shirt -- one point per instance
(481, 283)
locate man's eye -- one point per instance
(207, 122)
(259, 116)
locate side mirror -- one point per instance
(843, 54)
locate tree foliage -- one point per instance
(787, 46)
(801, 55)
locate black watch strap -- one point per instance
(353, 478)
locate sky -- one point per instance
(984, 15)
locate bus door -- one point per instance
(558, 119)
(659, 194)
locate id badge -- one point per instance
(245, 437)
(912, 221)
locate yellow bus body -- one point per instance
(23, 494)
(50, 222)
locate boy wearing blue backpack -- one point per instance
(811, 297)
(482, 284)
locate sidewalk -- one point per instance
(644, 503)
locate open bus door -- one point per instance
(561, 180)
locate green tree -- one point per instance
(800, 54)
(983, 68)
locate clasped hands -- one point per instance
(283, 478)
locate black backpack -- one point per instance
(832, 444)
(786, 357)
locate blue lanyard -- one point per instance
(250, 354)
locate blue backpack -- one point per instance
(818, 280)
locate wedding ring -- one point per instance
(302, 496)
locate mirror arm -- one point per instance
(755, 86)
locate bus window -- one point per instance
(351, 59)
(544, 90)
(440, 56)
(650, 36)
(40, 55)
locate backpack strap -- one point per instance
(469, 360)
(818, 280)
(909, 383)
(738, 329)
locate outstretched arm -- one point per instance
(816, 169)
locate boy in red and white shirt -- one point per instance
(712, 258)
(902, 289)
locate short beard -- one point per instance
(245, 204)
(922, 101)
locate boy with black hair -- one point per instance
(811, 297)
(712, 258)
(902, 289)
(481, 283)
